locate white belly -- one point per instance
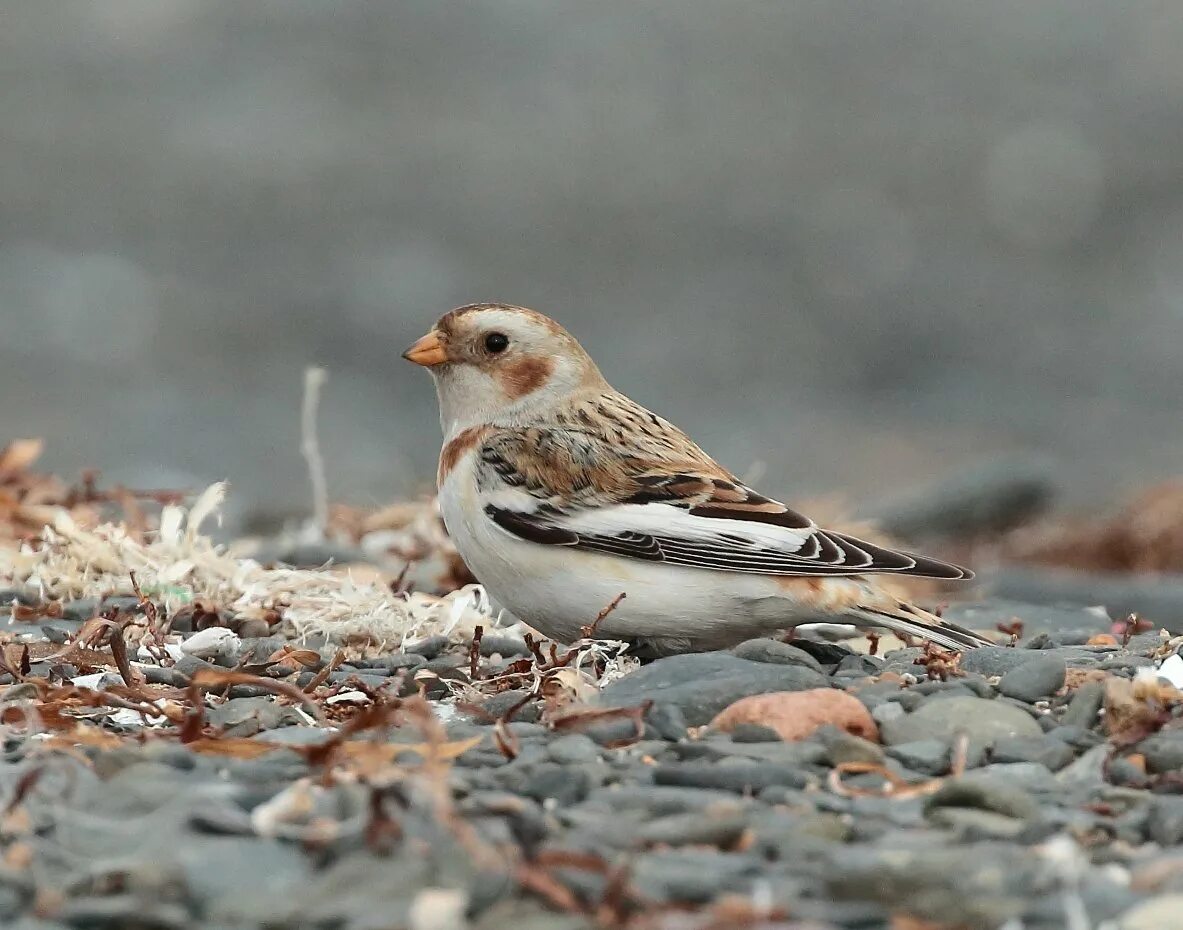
(557, 589)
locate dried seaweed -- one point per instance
(179, 567)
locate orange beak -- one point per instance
(428, 351)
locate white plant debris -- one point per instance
(179, 565)
(212, 642)
(1170, 670)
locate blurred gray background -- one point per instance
(850, 245)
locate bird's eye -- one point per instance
(496, 342)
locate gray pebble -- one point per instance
(265, 712)
(396, 662)
(887, 712)
(741, 777)
(719, 827)
(500, 704)
(573, 749)
(973, 824)
(238, 880)
(158, 675)
(1123, 772)
(703, 684)
(1087, 771)
(984, 722)
(506, 646)
(562, 784)
(118, 912)
(718, 747)
(1030, 776)
(1085, 705)
(1052, 753)
(1076, 737)
(927, 756)
(666, 720)
(860, 665)
(977, 886)
(1034, 680)
(909, 700)
(253, 628)
(657, 800)
(1163, 751)
(846, 747)
(430, 647)
(774, 652)
(79, 610)
(754, 733)
(294, 736)
(691, 876)
(992, 661)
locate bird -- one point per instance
(562, 494)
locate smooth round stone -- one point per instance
(846, 747)
(1034, 680)
(507, 646)
(984, 722)
(691, 876)
(1163, 752)
(561, 784)
(703, 684)
(666, 721)
(253, 627)
(741, 777)
(721, 827)
(430, 647)
(774, 652)
(1047, 751)
(573, 749)
(1088, 771)
(754, 733)
(1165, 821)
(992, 661)
(1085, 705)
(888, 711)
(972, 824)
(927, 756)
(395, 662)
(500, 704)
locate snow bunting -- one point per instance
(561, 494)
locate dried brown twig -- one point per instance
(1131, 626)
(474, 652)
(1013, 629)
(589, 631)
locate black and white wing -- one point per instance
(565, 488)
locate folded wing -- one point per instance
(697, 520)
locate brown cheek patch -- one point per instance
(524, 376)
(455, 450)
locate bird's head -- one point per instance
(499, 364)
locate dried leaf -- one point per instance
(216, 678)
(233, 747)
(305, 657)
(388, 752)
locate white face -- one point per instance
(501, 365)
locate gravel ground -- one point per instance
(1031, 786)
